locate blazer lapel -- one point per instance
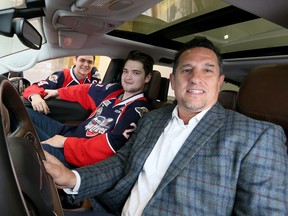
(206, 128)
(154, 129)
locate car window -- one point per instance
(11, 3)
(43, 69)
(165, 72)
(229, 86)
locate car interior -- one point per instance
(252, 37)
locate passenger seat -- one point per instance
(228, 99)
(263, 95)
(152, 89)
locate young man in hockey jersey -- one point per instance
(116, 111)
(82, 72)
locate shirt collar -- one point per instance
(197, 117)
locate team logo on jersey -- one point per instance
(53, 78)
(98, 125)
(42, 82)
(141, 110)
(99, 111)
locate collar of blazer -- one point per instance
(206, 128)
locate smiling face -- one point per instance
(133, 78)
(196, 81)
(83, 65)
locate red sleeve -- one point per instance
(33, 89)
(78, 93)
(81, 151)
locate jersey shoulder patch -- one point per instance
(53, 78)
(141, 110)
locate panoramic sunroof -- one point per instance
(232, 29)
(250, 35)
(170, 12)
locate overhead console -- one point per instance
(65, 20)
(94, 17)
(113, 8)
(90, 6)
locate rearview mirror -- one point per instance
(27, 34)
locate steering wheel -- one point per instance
(25, 186)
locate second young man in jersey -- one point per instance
(116, 111)
(82, 72)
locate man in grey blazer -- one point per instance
(195, 158)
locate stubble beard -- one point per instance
(193, 107)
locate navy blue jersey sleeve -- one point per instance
(54, 81)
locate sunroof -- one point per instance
(255, 34)
(170, 12)
(213, 19)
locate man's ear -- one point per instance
(221, 80)
(172, 80)
(148, 78)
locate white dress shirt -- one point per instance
(157, 163)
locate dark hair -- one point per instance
(88, 55)
(198, 41)
(145, 59)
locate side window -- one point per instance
(228, 95)
(229, 86)
(43, 69)
(165, 72)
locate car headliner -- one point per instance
(96, 29)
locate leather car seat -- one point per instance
(228, 99)
(263, 95)
(152, 89)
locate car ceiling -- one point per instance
(84, 24)
(90, 27)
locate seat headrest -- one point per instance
(263, 94)
(153, 87)
(228, 99)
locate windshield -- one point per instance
(10, 45)
(11, 3)
(13, 44)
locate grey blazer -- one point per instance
(229, 165)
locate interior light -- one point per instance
(226, 37)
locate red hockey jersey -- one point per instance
(58, 80)
(109, 126)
